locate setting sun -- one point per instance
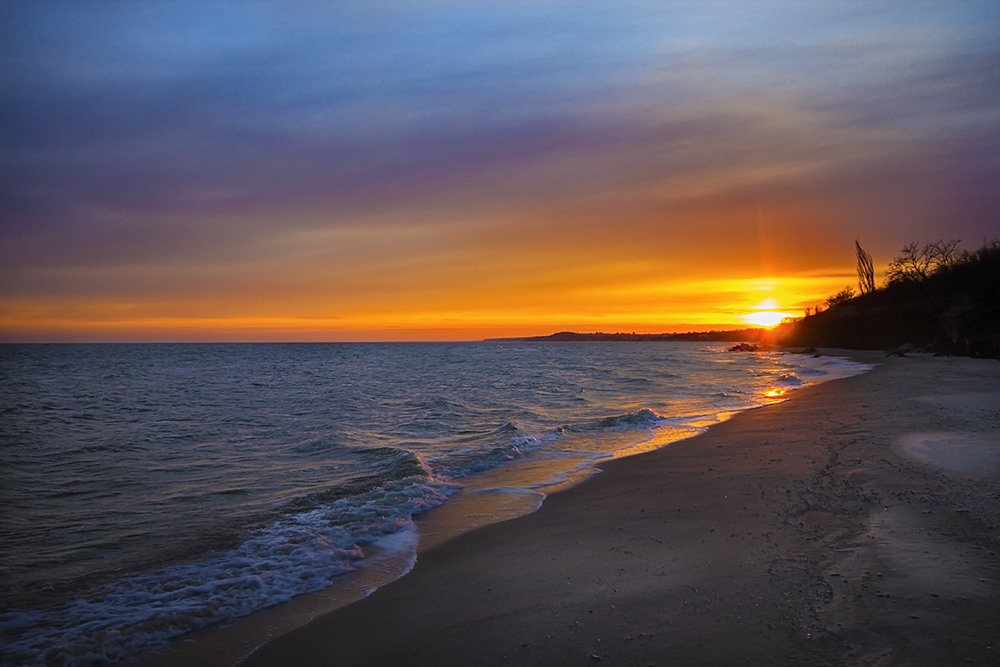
(765, 318)
(766, 315)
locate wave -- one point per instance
(641, 418)
(505, 443)
(321, 536)
(511, 441)
(789, 380)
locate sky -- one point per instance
(444, 170)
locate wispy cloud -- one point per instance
(422, 155)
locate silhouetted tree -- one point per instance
(916, 263)
(866, 270)
(840, 298)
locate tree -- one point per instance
(840, 298)
(917, 263)
(866, 270)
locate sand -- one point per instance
(857, 523)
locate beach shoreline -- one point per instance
(808, 531)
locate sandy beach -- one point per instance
(857, 523)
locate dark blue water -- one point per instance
(150, 490)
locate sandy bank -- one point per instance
(814, 531)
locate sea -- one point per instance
(151, 490)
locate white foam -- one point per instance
(297, 555)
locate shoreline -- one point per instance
(792, 531)
(496, 494)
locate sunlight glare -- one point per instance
(765, 318)
(766, 314)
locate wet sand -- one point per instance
(857, 523)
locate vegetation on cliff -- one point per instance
(935, 296)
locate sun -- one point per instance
(765, 318)
(766, 314)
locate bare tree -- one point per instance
(916, 263)
(866, 270)
(946, 254)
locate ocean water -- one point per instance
(147, 491)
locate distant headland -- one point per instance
(735, 335)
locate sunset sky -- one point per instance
(443, 170)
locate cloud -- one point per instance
(399, 153)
